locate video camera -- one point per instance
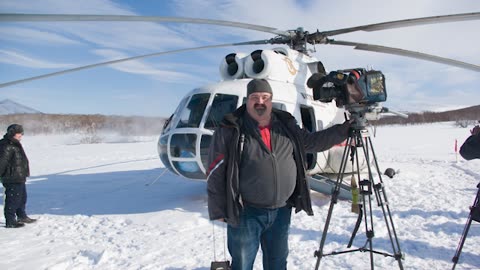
(349, 86)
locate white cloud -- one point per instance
(21, 34)
(15, 58)
(62, 6)
(139, 36)
(139, 67)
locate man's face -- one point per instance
(18, 136)
(259, 105)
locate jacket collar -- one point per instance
(11, 139)
(234, 119)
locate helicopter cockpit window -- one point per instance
(175, 115)
(279, 106)
(193, 112)
(221, 105)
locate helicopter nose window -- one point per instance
(221, 105)
(174, 117)
(189, 169)
(183, 145)
(204, 147)
(192, 114)
(163, 151)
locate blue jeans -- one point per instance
(268, 227)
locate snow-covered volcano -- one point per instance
(8, 106)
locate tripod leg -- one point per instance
(366, 191)
(363, 141)
(474, 214)
(319, 252)
(382, 200)
(462, 241)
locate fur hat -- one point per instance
(14, 129)
(258, 85)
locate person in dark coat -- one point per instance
(471, 147)
(257, 175)
(14, 170)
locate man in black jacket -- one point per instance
(257, 174)
(14, 171)
(471, 147)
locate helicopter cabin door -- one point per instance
(309, 123)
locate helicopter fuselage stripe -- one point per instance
(217, 162)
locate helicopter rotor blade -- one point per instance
(283, 37)
(256, 42)
(17, 17)
(405, 23)
(406, 53)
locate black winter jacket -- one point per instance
(471, 147)
(13, 161)
(224, 200)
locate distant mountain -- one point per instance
(8, 106)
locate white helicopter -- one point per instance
(183, 144)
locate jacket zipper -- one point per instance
(275, 179)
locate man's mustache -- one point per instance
(260, 106)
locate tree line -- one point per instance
(145, 126)
(73, 123)
(463, 117)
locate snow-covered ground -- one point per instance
(99, 207)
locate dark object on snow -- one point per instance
(470, 149)
(389, 172)
(220, 265)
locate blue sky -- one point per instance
(154, 86)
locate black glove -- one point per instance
(345, 127)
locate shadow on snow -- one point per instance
(111, 193)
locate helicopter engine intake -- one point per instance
(273, 65)
(232, 66)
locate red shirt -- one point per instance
(265, 133)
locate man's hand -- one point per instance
(475, 130)
(345, 127)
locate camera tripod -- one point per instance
(474, 215)
(359, 138)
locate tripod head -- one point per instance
(358, 114)
(362, 113)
